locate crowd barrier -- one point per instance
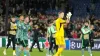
(75, 44)
(71, 44)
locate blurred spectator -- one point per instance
(74, 34)
(37, 10)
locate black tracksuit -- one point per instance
(11, 37)
(35, 39)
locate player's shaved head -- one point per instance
(61, 14)
(26, 18)
(21, 17)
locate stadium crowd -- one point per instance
(40, 18)
(72, 31)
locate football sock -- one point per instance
(89, 50)
(48, 52)
(18, 51)
(82, 52)
(26, 52)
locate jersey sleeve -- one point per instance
(48, 30)
(19, 25)
(58, 22)
(53, 29)
(83, 31)
(57, 25)
(30, 28)
(23, 27)
(62, 21)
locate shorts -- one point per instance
(92, 43)
(85, 43)
(24, 43)
(18, 41)
(60, 41)
(51, 39)
(11, 38)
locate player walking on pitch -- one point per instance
(12, 27)
(59, 35)
(19, 35)
(24, 39)
(86, 31)
(50, 32)
(35, 38)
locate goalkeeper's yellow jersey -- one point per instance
(60, 27)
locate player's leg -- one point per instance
(18, 47)
(47, 48)
(53, 43)
(9, 41)
(51, 48)
(26, 49)
(60, 50)
(89, 48)
(61, 46)
(82, 51)
(55, 46)
(47, 51)
(8, 44)
(32, 45)
(13, 42)
(83, 46)
(38, 46)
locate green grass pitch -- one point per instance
(65, 52)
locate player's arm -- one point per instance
(81, 36)
(53, 29)
(68, 16)
(23, 27)
(19, 25)
(31, 25)
(57, 25)
(65, 21)
(83, 31)
(47, 35)
(29, 28)
(62, 21)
